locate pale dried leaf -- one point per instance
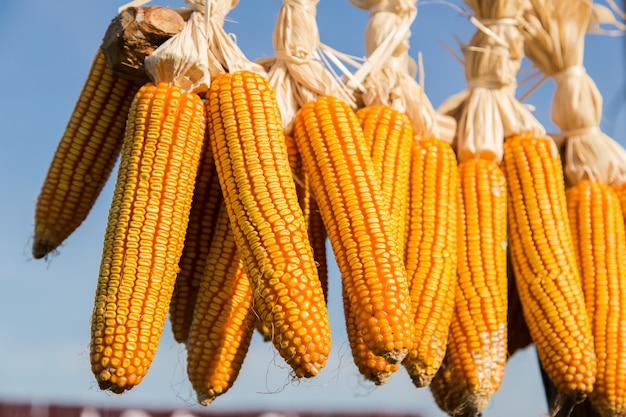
(182, 59)
(224, 54)
(603, 17)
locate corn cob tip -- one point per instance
(375, 369)
(205, 398)
(42, 248)
(421, 379)
(379, 378)
(105, 383)
(470, 406)
(309, 369)
(564, 404)
(395, 356)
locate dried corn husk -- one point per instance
(487, 111)
(182, 59)
(554, 32)
(201, 50)
(388, 75)
(296, 71)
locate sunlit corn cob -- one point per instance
(477, 349)
(249, 147)
(145, 232)
(223, 320)
(599, 239)
(431, 253)
(389, 134)
(84, 158)
(518, 332)
(544, 264)
(207, 199)
(337, 160)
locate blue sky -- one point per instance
(45, 306)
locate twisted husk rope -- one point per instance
(389, 77)
(554, 33)
(487, 111)
(296, 71)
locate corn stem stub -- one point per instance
(431, 253)
(84, 158)
(544, 263)
(600, 245)
(337, 160)
(145, 232)
(477, 348)
(223, 320)
(268, 224)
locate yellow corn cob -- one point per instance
(599, 239)
(389, 134)
(84, 158)
(253, 168)
(145, 232)
(337, 160)
(431, 254)
(477, 350)
(312, 219)
(205, 205)
(223, 320)
(544, 264)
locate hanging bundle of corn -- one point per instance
(336, 157)
(207, 197)
(307, 88)
(494, 127)
(246, 133)
(149, 212)
(298, 75)
(85, 156)
(249, 146)
(594, 163)
(422, 204)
